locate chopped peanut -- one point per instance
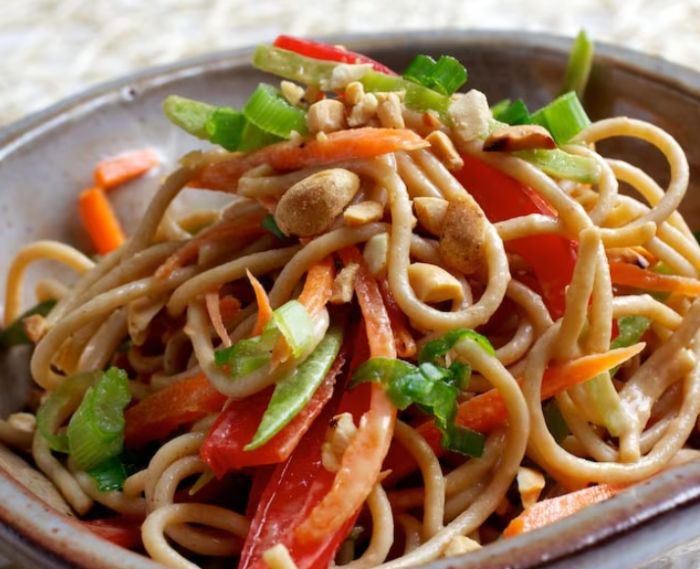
(363, 212)
(311, 206)
(389, 112)
(344, 283)
(462, 237)
(459, 545)
(434, 284)
(445, 150)
(292, 92)
(520, 137)
(327, 115)
(376, 253)
(364, 111)
(530, 485)
(431, 213)
(340, 432)
(354, 92)
(470, 115)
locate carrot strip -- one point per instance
(229, 307)
(362, 460)
(112, 172)
(264, 307)
(348, 144)
(403, 339)
(100, 221)
(548, 511)
(487, 411)
(247, 226)
(211, 299)
(318, 286)
(631, 275)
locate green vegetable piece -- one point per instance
(96, 430)
(109, 475)
(14, 334)
(294, 391)
(420, 70)
(564, 117)
(417, 97)
(190, 115)
(578, 68)
(294, 323)
(696, 234)
(556, 424)
(253, 138)
(630, 331)
(293, 66)
(271, 113)
(270, 225)
(498, 108)
(434, 350)
(225, 127)
(59, 404)
(511, 113)
(562, 165)
(464, 441)
(448, 75)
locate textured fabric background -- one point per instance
(52, 48)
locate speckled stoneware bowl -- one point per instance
(47, 158)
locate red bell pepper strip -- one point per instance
(551, 257)
(223, 449)
(121, 530)
(326, 52)
(362, 460)
(174, 406)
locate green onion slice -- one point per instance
(445, 75)
(562, 165)
(435, 350)
(578, 68)
(564, 117)
(96, 430)
(512, 113)
(190, 115)
(14, 334)
(270, 112)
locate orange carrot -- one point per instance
(229, 307)
(403, 339)
(362, 460)
(247, 226)
(264, 307)
(100, 221)
(487, 411)
(631, 275)
(213, 304)
(548, 511)
(349, 144)
(112, 172)
(318, 286)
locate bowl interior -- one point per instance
(45, 161)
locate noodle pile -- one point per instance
(151, 308)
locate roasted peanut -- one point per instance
(459, 545)
(462, 236)
(520, 137)
(433, 284)
(344, 283)
(327, 115)
(470, 115)
(292, 92)
(363, 212)
(310, 206)
(364, 111)
(445, 150)
(389, 112)
(431, 213)
(530, 485)
(376, 253)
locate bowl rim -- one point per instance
(40, 537)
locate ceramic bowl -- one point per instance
(46, 159)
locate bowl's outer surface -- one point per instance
(47, 158)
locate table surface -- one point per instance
(54, 48)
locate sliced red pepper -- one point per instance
(236, 425)
(121, 530)
(174, 406)
(551, 257)
(326, 52)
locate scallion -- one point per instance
(190, 115)
(445, 75)
(417, 97)
(562, 165)
(512, 113)
(14, 334)
(270, 112)
(96, 430)
(225, 127)
(270, 225)
(578, 68)
(564, 117)
(420, 69)
(435, 350)
(294, 323)
(293, 66)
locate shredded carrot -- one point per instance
(213, 304)
(318, 286)
(247, 226)
(403, 339)
(100, 221)
(112, 172)
(362, 460)
(487, 411)
(548, 511)
(264, 307)
(347, 144)
(229, 307)
(631, 275)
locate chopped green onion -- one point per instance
(96, 429)
(253, 138)
(512, 113)
(417, 97)
(294, 323)
(630, 331)
(556, 424)
(14, 334)
(432, 388)
(607, 407)
(270, 225)
(59, 404)
(578, 68)
(564, 117)
(293, 66)
(109, 475)
(294, 391)
(270, 112)
(190, 115)
(225, 127)
(445, 75)
(435, 350)
(562, 165)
